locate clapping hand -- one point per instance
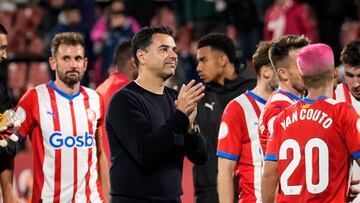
(188, 97)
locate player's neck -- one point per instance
(68, 89)
(287, 88)
(262, 89)
(314, 93)
(153, 84)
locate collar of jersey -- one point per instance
(289, 94)
(310, 101)
(67, 96)
(256, 97)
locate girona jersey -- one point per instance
(239, 141)
(313, 142)
(342, 93)
(277, 102)
(62, 129)
(106, 89)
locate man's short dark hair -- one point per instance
(68, 38)
(142, 38)
(350, 55)
(261, 56)
(219, 42)
(281, 47)
(122, 53)
(3, 30)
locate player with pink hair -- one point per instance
(312, 141)
(315, 60)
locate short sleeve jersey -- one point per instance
(62, 129)
(277, 102)
(239, 141)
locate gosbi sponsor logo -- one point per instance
(58, 140)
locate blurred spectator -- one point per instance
(164, 15)
(245, 24)
(203, 16)
(141, 10)
(109, 31)
(331, 15)
(290, 17)
(52, 9)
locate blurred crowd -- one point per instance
(104, 24)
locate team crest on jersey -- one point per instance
(91, 115)
(223, 131)
(20, 114)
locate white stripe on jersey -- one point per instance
(340, 95)
(47, 128)
(251, 118)
(67, 154)
(332, 101)
(281, 97)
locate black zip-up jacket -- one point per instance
(210, 110)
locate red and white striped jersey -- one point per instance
(277, 102)
(239, 141)
(313, 142)
(62, 129)
(342, 93)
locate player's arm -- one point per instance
(270, 177)
(225, 187)
(229, 148)
(6, 178)
(269, 182)
(103, 167)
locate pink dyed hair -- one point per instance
(315, 59)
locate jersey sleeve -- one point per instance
(25, 110)
(266, 120)
(272, 148)
(100, 127)
(231, 132)
(350, 126)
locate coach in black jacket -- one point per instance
(149, 126)
(225, 79)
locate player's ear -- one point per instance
(266, 71)
(52, 62)
(282, 73)
(336, 74)
(140, 56)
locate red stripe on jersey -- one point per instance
(87, 176)
(75, 150)
(57, 168)
(347, 93)
(254, 105)
(38, 154)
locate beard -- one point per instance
(69, 80)
(298, 87)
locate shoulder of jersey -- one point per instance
(281, 97)
(333, 101)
